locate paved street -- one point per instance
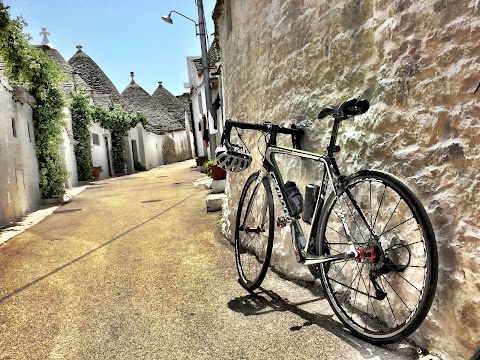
(135, 268)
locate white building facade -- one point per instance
(19, 177)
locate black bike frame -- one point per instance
(331, 171)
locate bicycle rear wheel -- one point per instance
(254, 229)
(385, 293)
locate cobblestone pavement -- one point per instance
(135, 268)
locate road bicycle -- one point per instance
(371, 242)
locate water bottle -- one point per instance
(311, 196)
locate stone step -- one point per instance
(218, 186)
(215, 202)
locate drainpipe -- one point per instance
(206, 73)
(192, 126)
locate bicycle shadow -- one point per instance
(267, 301)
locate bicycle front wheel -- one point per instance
(385, 293)
(254, 229)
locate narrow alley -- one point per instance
(135, 268)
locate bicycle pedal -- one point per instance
(282, 222)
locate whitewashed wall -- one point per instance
(189, 134)
(198, 105)
(68, 151)
(132, 135)
(19, 179)
(176, 147)
(153, 145)
(99, 152)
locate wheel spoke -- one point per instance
(379, 206)
(389, 303)
(402, 245)
(389, 307)
(371, 204)
(355, 220)
(396, 272)
(391, 215)
(337, 232)
(403, 222)
(339, 270)
(351, 288)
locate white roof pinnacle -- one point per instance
(45, 40)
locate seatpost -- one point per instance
(333, 138)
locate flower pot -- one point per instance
(96, 172)
(201, 160)
(218, 173)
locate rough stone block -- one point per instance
(215, 202)
(208, 183)
(218, 186)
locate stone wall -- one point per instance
(418, 64)
(176, 147)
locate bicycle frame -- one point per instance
(300, 243)
(270, 168)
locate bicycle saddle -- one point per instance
(347, 109)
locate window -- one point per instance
(96, 139)
(14, 127)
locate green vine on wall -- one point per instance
(118, 121)
(114, 118)
(82, 120)
(30, 66)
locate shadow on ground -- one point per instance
(267, 301)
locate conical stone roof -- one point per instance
(104, 90)
(73, 80)
(164, 98)
(159, 120)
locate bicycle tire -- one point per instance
(253, 240)
(394, 260)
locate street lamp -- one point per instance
(205, 62)
(168, 19)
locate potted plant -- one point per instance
(138, 166)
(200, 160)
(97, 170)
(214, 171)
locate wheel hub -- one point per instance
(256, 230)
(371, 254)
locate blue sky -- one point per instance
(121, 36)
